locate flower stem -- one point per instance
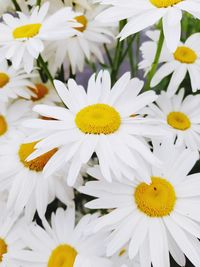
(108, 55)
(118, 54)
(129, 46)
(42, 64)
(16, 5)
(38, 3)
(156, 60)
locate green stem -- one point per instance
(131, 59)
(129, 46)
(156, 60)
(118, 55)
(43, 64)
(38, 3)
(108, 55)
(16, 5)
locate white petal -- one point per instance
(172, 28)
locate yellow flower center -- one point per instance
(27, 31)
(62, 256)
(164, 3)
(178, 120)
(185, 55)
(98, 119)
(3, 249)
(4, 79)
(82, 20)
(40, 91)
(3, 125)
(38, 163)
(157, 199)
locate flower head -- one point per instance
(100, 122)
(64, 244)
(156, 218)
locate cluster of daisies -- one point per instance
(103, 175)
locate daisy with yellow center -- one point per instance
(24, 36)
(87, 43)
(44, 93)
(152, 219)
(185, 59)
(179, 116)
(24, 180)
(170, 11)
(97, 122)
(14, 84)
(67, 246)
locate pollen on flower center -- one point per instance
(157, 199)
(38, 163)
(4, 79)
(3, 249)
(185, 55)
(82, 20)
(98, 119)
(178, 120)
(164, 3)
(62, 256)
(27, 31)
(40, 91)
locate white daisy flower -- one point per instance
(11, 117)
(25, 181)
(87, 44)
(22, 38)
(144, 13)
(63, 244)
(185, 59)
(180, 117)
(10, 237)
(97, 121)
(45, 93)
(14, 83)
(153, 219)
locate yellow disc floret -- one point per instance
(178, 120)
(62, 256)
(40, 91)
(156, 199)
(98, 119)
(164, 3)
(27, 31)
(3, 249)
(82, 20)
(4, 79)
(3, 125)
(38, 163)
(185, 55)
